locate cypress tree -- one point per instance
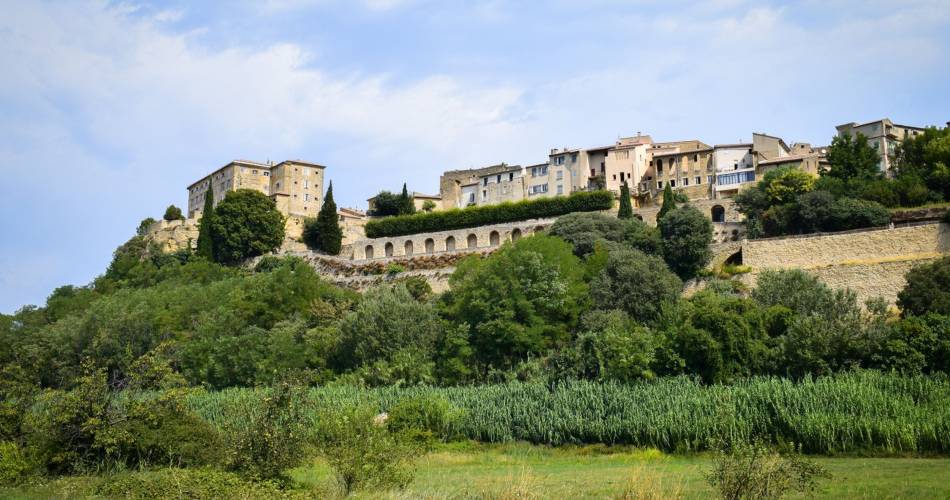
(407, 205)
(205, 244)
(626, 208)
(669, 202)
(329, 232)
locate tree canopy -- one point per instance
(246, 224)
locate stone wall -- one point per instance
(872, 262)
(175, 235)
(459, 240)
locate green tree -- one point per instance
(324, 233)
(585, 230)
(428, 206)
(686, 235)
(786, 184)
(636, 283)
(205, 241)
(669, 202)
(927, 289)
(246, 224)
(521, 300)
(173, 213)
(390, 332)
(144, 225)
(626, 208)
(406, 203)
(852, 158)
(612, 347)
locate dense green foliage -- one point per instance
(852, 412)
(173, 213)
(205, 241)
(789, 201)
(852, 158)
(686, 235)
(246, 224)
(585, 230)
(626, 207)
(324, 233)
(927, 290)
(388, 204)
(669, 201)
(489, 214)
(636, 283)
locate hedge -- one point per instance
(490, 214)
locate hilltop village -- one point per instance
(709, 176)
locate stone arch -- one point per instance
(450, 244)
(472, 241)
(538, 229)
(368, 251)
(494, 239)
(734, 259)
(718, 213)
(389, 249)
(430, 245)
(408, 247)
(638, 217)
(516, 235)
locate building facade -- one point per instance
(295, 186)
(883, 135)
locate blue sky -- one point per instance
(108, 110)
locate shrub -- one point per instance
(245, 224)
(429, 417)
(848, 213)
(15, 466)
(927, 289)
(364, 454)
(746, 471)
(144, 225)
(489, 214)
(686, 235)
(173, 213)
(390, 325)
(184, 483)
(814, 211)
(418, 287)
(626, 208)
(636, 283)
(272, 439)
(612, 347)
(585, 230)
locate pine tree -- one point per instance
(626, 208)
(669, 202)
(329, 232)
(205, 244)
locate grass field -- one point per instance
(519, 470)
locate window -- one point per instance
(672, 183)
(306, 197)
(498, 178)
(560, 174)
(484, 194)
(306, 171)
(659, 167)
(266, 173)
(538, 189)
(699, 180)
(511, 176)
(593, 172)
(560, 189)
(615, 176)
(659, 184)
(306, 184)
(484, 181)
(254, 172)
(735, 178)
(471, 197)
(538, 171)
(685, 181)
(695, 158)
(709, 179)
(621, 176)
(559, 160)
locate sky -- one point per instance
(108, 110)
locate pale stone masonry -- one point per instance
(883, 135)
(296, 186)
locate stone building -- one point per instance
(481, 186)
(295, 186)
(735, 168)
(686, 166)
(418, 201)
(883, 135)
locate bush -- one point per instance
(747, 471)
(585, 230)
(272, 439)
(636, 283)
(173, 213)
(428, 417)
(15, 466)
(686, 236)
(245, 224)
(489, 214)
(144, 225)
(612, 347)
(364, 454)
(848, 213)
(927, 289)
(184, 483)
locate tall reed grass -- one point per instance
(850, 412)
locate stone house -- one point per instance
(883, 135)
